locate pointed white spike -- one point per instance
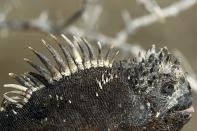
(71, 64)
(29, 83)
(53, 36)
(15, 86)
(77, 58)
(107, 57)
(67, 71)
(40, 69)
(66, 39)
(92, 55)
(139, 58)
(9, 99)
(35, 81)
(85, 54)
(100, 55)
(153, 48)
(76, 55)
(113, 58)
(16, 92)
(21, 80)
(51, 68)
(60, 62)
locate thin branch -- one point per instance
(170, 11)
(130, 48)
(92, 14)
(131, 27)
(75, 16)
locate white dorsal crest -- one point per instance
(79, 55)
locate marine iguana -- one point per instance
(90, 91)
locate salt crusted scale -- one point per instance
(75, 62)
(89, 91)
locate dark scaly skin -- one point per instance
(78, 103)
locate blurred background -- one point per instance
(179, 32)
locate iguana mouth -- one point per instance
(189, 111)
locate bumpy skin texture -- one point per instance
(145, 94)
